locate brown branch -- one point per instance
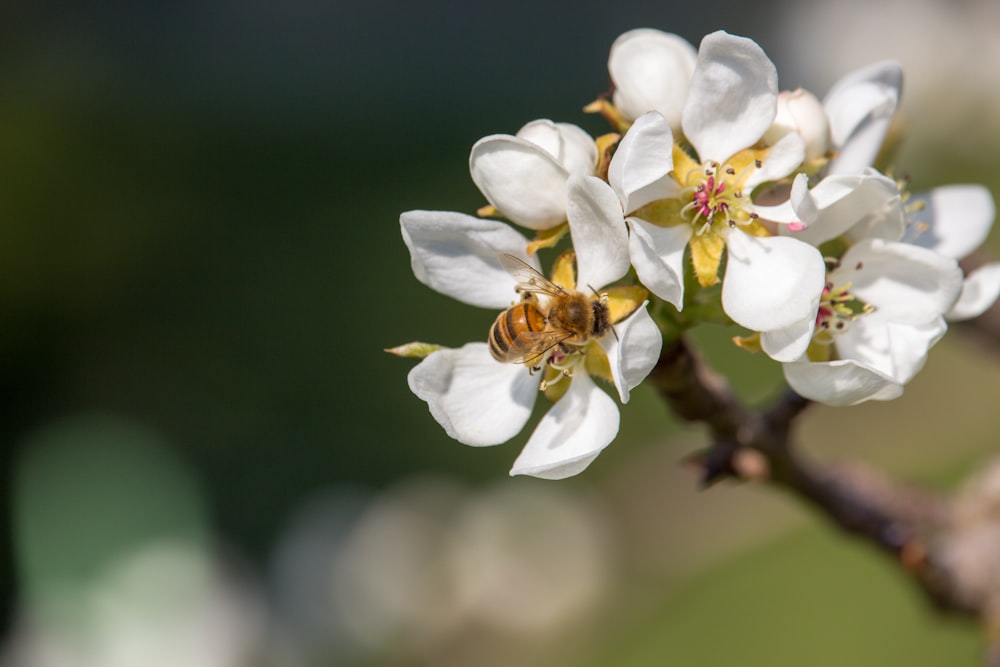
(913, 526)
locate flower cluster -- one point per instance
(718, 194)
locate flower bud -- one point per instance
(800, 111)
(651, 71)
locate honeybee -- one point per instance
(546, 316)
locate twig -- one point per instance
(900, 521)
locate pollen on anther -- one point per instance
(758, 163)
(859, 266)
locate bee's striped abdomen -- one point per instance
(521, 317)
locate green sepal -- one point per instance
(414, 350)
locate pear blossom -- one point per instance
(674, 202)
(882, 310)
(883, 303)
(651, 71)
(848, 207)
(525, 176)
(480, 401)
(950, 220)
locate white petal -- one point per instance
(867, 342)
(657, 254)
(639, 171)
(782, 213)
(733, 97)
(844, 382)
(597, 226)
(954, 220)
(457, 255)
(860, 107)
(521, 179)
(634, 352)
(885, 217)
(651, 71)
(866, 205)
(894, 350)
(790, 343)
(782, 159)
(980, 290)
(905, 283)
(569, 144)
(571, 435)
(909, 345)
(771, 283)
(799, 207)
(476, 399)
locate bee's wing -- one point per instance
(529, 346)
(528, 279)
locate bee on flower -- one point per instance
(555, 335)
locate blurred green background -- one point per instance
(207, 458)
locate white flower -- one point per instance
(480, 401)
(847, 206)
(651, 71)
(525, 176)
(881, 312)
(675, 202)
(954, 220)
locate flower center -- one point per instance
(838, 308)
(716, 193)
(561, 363)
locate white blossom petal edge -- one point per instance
(954, 219)
(476, 399)
(771, 283)
(658, 258)
(640, 168)
(840, 383)
(525, 176)
(600, 238)
(571, 435)
(633, 353)
(458, 255)
(733, 97)
(980, 290)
